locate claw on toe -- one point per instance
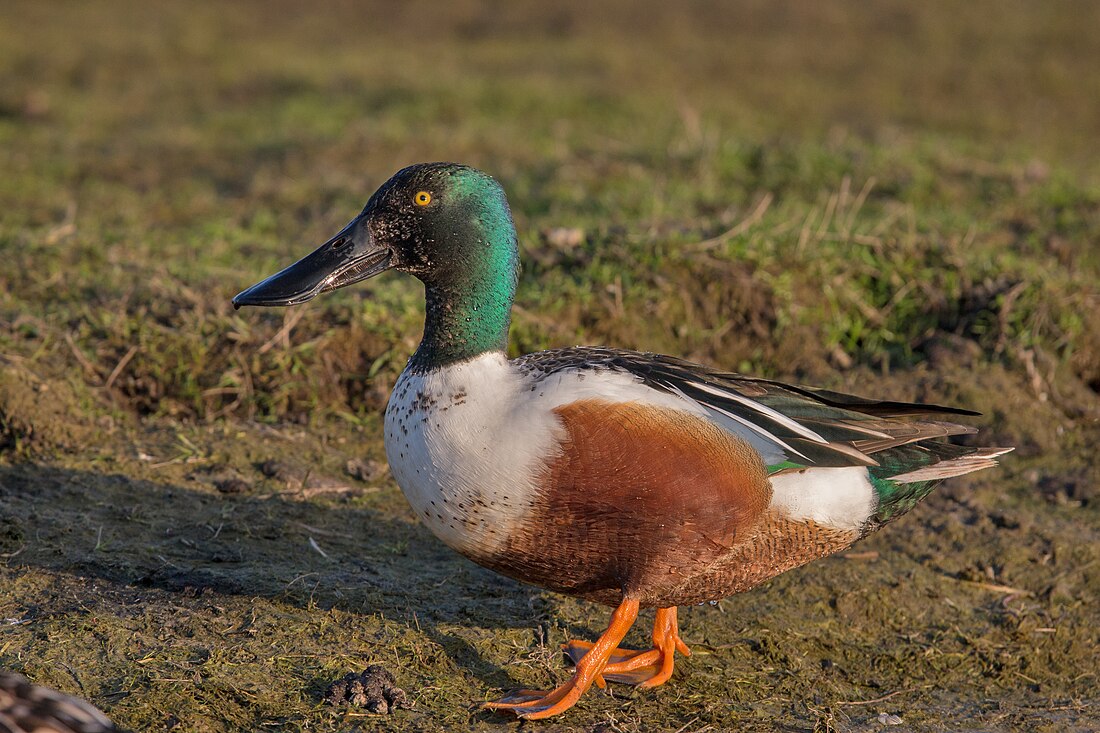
(516, 699)
(602, 662)
(532, 703)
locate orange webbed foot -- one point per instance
(648, 668)
(533, 704)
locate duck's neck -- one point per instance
(469, 295)
(468, 314)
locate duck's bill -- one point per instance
(350, 256)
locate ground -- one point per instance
(197, 530)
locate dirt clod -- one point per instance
(366, 470)
(276, 470)
(37, 417)
(232, 486)
(12, 536)
(374, 688)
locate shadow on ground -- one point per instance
(140, 536)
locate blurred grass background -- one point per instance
(901, 199)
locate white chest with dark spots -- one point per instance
(458, 454)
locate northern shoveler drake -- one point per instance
(632, 479)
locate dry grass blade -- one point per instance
(120, 366)
(740, 228)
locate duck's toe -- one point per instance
(625, 666)
(648, 668)
(535, 705)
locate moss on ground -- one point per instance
(900, 201)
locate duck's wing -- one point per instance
(792, 427)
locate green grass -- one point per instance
(897, 199)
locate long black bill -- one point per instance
(350, 256)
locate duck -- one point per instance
(635, 480)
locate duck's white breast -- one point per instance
(457, 455)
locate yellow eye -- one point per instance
(422, 198)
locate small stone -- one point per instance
(365, 470)
(840, 358)
(232, 486)
(36, 104)
(889, 719)
(564, 237)
(374, 689)
(1036, 171)
(276, 469)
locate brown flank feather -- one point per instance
(638, 501)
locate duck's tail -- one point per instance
(908, 473)
(976, 461)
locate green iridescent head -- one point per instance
(447, 224)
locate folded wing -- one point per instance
(794, 427)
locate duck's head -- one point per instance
(447, 224)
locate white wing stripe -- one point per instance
(763, 410)
(755, 428)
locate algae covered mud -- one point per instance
(197, 529)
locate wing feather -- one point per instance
(790, 425)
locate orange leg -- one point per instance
(642, 668)
(536, 704)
